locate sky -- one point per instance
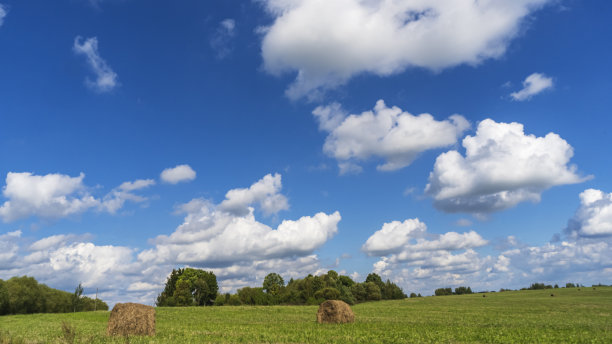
(436, 143)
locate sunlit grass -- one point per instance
(571, 316)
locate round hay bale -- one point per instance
(127, 319)
(335, 312)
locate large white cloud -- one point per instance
(237, 248)
(328, 42)
(533, 84)
(178, 174)
(417, 259)
(386, 132)
(594, 217)
(228, 233)
(53, 196)
(409, 241)
(502, 167)
(49, 196)
(106, 78)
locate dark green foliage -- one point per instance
(372, 291)
(463, 290)
(570, 285)
(312, 290)
(189, 287)
(412, 295)
(328, 293)
(76, 298)
(537, 286)
(24, 295)
(255, 296)
(443, 291)
(359, 292)
(273, 283)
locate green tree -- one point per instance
(4, 299)
(273, 283)
(76, 298)
(328, 293)
(182, 293)
(187, 287)
(359, 292)
(372, 291)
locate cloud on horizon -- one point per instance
(236, 247)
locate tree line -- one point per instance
(193, 287)
(24, 295)
(449, 291)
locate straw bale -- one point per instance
(127, 319)
(336, 312)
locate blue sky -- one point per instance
(438, 144)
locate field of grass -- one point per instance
(571, 316)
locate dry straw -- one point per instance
(128, 319)
(336, 312)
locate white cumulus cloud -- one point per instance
(223, 235)
(533, 84)
(106, 78)
(502, 167)
(54, 196)
(328, 42)
(178, 174)
(265, 193)
(387, 133)
(50, 196)
(594, 217)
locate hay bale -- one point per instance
(127, 319)
(335, 312)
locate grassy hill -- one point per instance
(531, 316)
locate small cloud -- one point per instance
(178, 174)
(533, 84)
(463, 223)
(409, 191)
(3, 13)
(106, 78)
(221, 40)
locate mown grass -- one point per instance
(571, 316)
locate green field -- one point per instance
(571, 316)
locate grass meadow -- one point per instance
(533, 316)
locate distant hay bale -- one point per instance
(552, 294)
(335, 312)
(483, 295)
(128, 319)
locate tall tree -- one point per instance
(273, 283)
(76, 298)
